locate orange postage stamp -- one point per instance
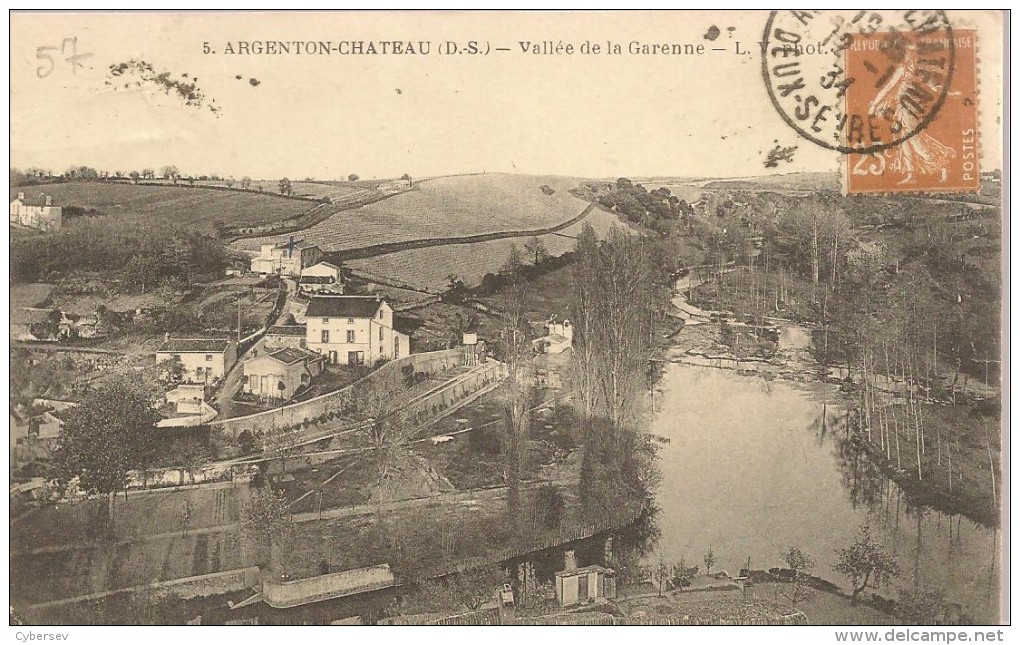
(925, 86)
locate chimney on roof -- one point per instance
(49, 200)
(21, 196)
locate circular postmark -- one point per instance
(857, 81)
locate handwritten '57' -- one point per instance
(68, 50)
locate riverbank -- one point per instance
(960, 453)
(754, 466)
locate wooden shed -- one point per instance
(578, 586)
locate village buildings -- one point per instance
(355, 330)
(322, 278)
(286, 259)
(281, 373)
(36, 212)
(203, 360)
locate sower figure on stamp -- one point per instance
(921, 153)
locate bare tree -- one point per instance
(516, 391)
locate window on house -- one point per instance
(325, 321)
(350, 321)
(380, 333)
(208, 357)
(325, 335)
(350, 335)
(380, 314)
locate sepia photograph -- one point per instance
(510, 318)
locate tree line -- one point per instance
(141, 257)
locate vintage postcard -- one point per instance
(508, 318)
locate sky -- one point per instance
(384, 115)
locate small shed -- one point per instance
(578, 586)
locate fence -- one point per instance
(340, 402)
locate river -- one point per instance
(754, 466)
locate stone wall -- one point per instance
(210, 584)
(340, 402)
(292, 593)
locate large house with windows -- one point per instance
(354, 330)
(203, 360)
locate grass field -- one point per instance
(444, 207)
(194, 208)
(428, 268)
(33, 294)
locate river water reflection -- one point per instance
(754, 466)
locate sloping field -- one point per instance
(194, 208)
(428, 268)
(337, 191)
(445, 207)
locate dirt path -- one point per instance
(223, 401)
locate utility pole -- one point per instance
(986, 361)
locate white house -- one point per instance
(323, 277)
(279, 374)
(204, 359)
(354, 329)
(288, 258)
(559, 337)
(36, 212)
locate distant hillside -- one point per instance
(447, 207)
(427, 269)
(213, 207)
(799, 181)
(201, 209)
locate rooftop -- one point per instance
(343, 307)
(584, 570)
(317, 279)
(187, 345)
(324, 264)
(38, 199)
(291, 355)
(287, 330)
